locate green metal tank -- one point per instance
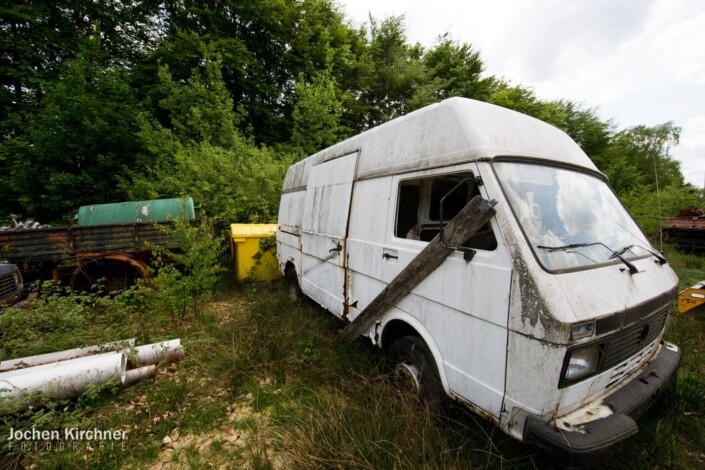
(156, 210)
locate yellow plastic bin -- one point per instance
(254, 251)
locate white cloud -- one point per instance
(637, 61)
(681, 48)
(694, 137)
(690, 151)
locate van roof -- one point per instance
(454, 131)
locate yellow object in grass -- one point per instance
(253, 248)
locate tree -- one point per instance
(316, 115)
(456, 70)
(623, 176)
(264, 47)
(195, 150)
(645, 152)
(79, 143)
(394, 72)
(643, 203)
(518, 98)
(581, 124)
(37, 37)
(199, 110)
(169, 98)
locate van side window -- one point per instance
(407, 213)
(418, 208)
(453, 203)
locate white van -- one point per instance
(552, 329)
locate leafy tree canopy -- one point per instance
(106, 101)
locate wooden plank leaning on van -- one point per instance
(469, 220)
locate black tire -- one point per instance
(412, 364)
(292, 280)
(112, 276)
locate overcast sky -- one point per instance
(636, 61)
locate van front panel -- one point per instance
(581, 267)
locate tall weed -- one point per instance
(62, 319)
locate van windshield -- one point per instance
(570, 210)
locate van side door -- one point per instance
(463, 304)
(324, 231)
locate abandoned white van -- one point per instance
(547, 321)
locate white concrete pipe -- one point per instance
(134, 375)
(64, 379)
(157, 352)
(32, 370)
(68, 378)
(31, 361)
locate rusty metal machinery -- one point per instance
(686, 230)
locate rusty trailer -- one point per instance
(79, 255)
(686, 230)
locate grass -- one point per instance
(267, 383)
(689, 267)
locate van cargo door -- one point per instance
(324, 232)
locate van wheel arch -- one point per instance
(292, 279)
(398, 328)
(411, 363)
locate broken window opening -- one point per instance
(418, 209)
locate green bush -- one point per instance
(187, 272)
(63, 319)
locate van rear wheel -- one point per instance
(292, 280)
(413, 368)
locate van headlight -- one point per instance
(582, 330)
(581, 363)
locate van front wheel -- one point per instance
(412, 366)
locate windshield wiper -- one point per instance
(615, 254)
(659, 257)
(564, 247)
(621, 251)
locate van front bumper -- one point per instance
(595, 440)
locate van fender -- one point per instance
(396, 314)
(290, 262)
(284, 264)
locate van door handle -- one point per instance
(337, 248)
(389, 254)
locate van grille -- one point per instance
(632, 363)
(624, 344)
(623, 350)
(8, 287)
